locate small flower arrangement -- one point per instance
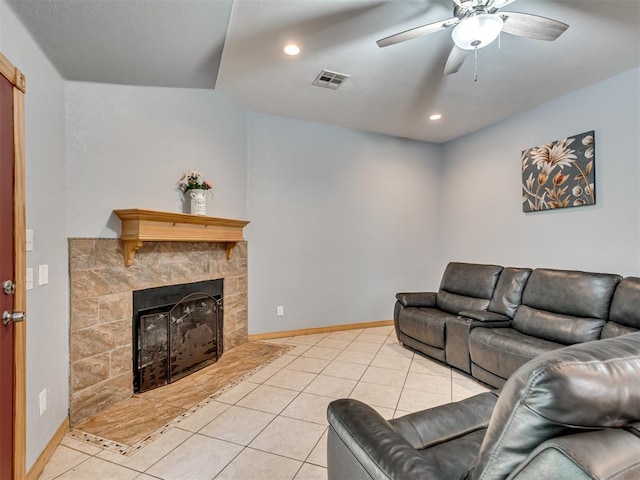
(193, 180)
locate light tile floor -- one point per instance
(273, 425)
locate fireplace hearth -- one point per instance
(177, 330)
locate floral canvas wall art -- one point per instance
(559, 174)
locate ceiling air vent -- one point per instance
(329, 79)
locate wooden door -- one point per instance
(12, 269)
(6, 274)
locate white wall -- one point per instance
(47, 305)
(340, 221)
(128, 146)
(482, 217)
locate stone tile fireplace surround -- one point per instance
(101, 289)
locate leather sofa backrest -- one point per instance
(508, 292)
(565, 306)
(540, 401)
(624, 316)
(467, 286)
(580, 294)
(555, 327)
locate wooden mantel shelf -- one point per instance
(140, 226)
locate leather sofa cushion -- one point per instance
(613, 329)
(486, 376)
(539, 401)
(426, 324)
(508, 293)
(625, 307)
(452, 459)
(581, 294)
(470, 279)
(556, 327)
(502, 351)
(454, 304)
(484, 316)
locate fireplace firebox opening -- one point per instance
(177, 330)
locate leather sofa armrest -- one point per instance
(484, 316)
(417, 299)
(603, 454)
(441, 424)
(360, 439)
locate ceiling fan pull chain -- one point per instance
(475, 64)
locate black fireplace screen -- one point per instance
(174, 340)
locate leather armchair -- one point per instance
(420, 317)
(439, 443)
(570, 413)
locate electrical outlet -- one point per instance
(29, 279)
(280, 310)
(43, 401)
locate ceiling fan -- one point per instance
(477, 23)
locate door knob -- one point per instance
(9, 287)
(8, 316)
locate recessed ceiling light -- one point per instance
(292, 49)
(435, 116)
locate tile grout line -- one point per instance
(191, 434)
(226, 465)
(406, 377)
(74, 466)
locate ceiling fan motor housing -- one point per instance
(466, 8)
(473, 3)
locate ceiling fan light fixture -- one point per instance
(477, 31)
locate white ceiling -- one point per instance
(236, 46)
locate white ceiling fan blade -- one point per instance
(532, 26)
(455, 60)
(417, 32)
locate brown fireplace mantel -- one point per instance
(140, 226)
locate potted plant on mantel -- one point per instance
(195, 189)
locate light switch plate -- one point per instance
(29, 237)
(29, 278)
(43, 274)
(43, 401)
